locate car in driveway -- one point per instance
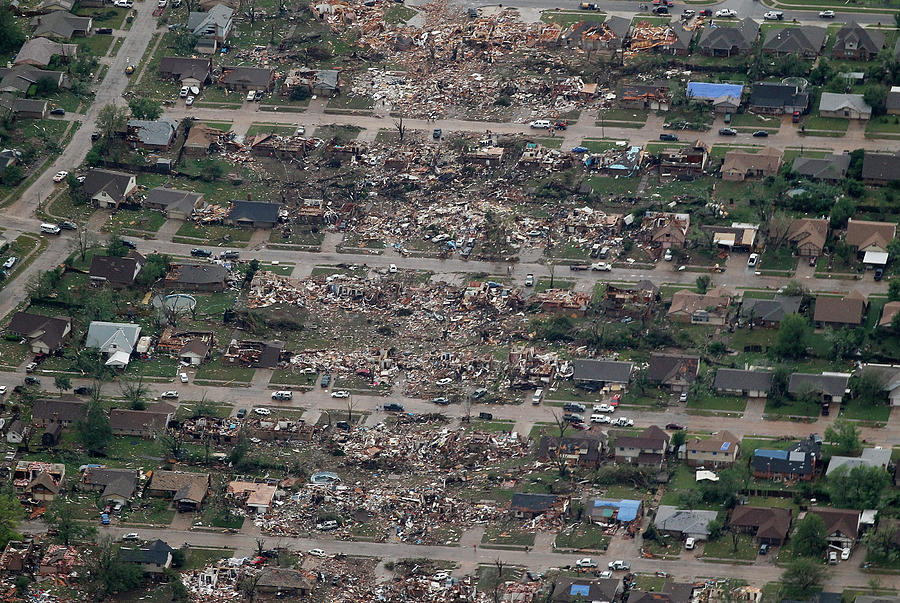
(668, 137)
(171, 394)
(764, 549)
(725, 13)
(753, 260)
(58, 111)
(189, 101)
(529, 280)
(826, 14)
(10, 262)
(184, 92)
(241, 413)
(83, 390)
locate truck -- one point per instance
(588, 6)
(601, 267)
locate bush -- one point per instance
(12, 175)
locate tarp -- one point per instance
(879, 258)
(707, 475)
(710, 91)
(724, 238)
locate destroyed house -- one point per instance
(214, 24)
(155, 558)
(796, 463)
(769, 525)
(284, 582)
(188, 72)
(665, 230)
(156, 135)
(648, 448)
(196, 277)
(605, 512)
(681, 45)
(243, 79)
(59, 559)
(186, 490)
(753, 384)
(194, 352)
(45, 334)
(855, 43)
(28, 473)
(255, 497)
(621, 163)
(253, 214)
(724, 98)
(595, 35)
(581, 451)
(172, 341)
(847, 311)
(51, 435)
(647, 36)
(176, 204)
(213, 429)
(676, 372)
(689, 160)
(721, 40)
(18, 556)
(487, 156)
(576, 590)
(118, 273)
(635, 301)
(830, 387)
(719, 450)
(201, 141)
(280, 147)
(256, 354)
(737, 237)
(602, 374)
(529, 506)
(805, 41)
(537, 156)
(320, 82)
(65, 411)
(563, 301)
(778, 99)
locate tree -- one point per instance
(778, 226)
(894, 288)
(843, 343)
(858, 488)
(252, 269)
(93, 430)
(211, 171)
(876, 96)
(110, 121)
(145, 108)
(172, 443)
(869, 389)
(11, 515)
(154, 269)
(792, 336)
(844, 435)
(561, 423)
(107, 572)
(62, 383)
(239, 450)
(134, 391)
(703, 283)
(801, 579)
(248, 586)
(184, 42)
(401, 129)
(12, 174)
(843, 209)
(11, 35)
(499, 564)
(678, 439)
(809, 541)
(45, 86)
(715, 528)
(67, 529)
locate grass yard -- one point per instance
(860, 412)
(510, 535)
(567, 18)
(492, 426)
(488, 577)
(12, 353)
(833, 124)
(598, 145)
(340, 134)
(149, 511)
(97, 45)
(582, 536)
(159, 365)
(291, 377)
(129, 221)
(724, 548)
(198, 558)
(543, 284)
(399, 14)
(885, 124)
(793, 408)
(261, 128)
(214, 234)
(710, 401)
(218, 370)
(749, 444)
(778, 259)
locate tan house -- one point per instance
(722, 449)
(255, 497)
(808, 235)
(188, 490)
(867, 236)
(45, 334)
(740, 165)
(888, 312)
(840, 312)
(710, 308)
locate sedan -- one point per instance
(67, 225)
(262, 411)
(773, 15)
(131, 536)
(674, 426)
(726, 13)
(444, 381)
(668, 137)
(200, 253)
(60, 176)
(529, 280)
(2, 390)
(189, 101)
(761, 134)
(184, 92)
(826, 14)
(58, 111)
(317, 553)
(727, 132)
(171, 394)
(441, 400)
(341, 393)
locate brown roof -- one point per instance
(673, 368)
(197, 346)
(688, 302)
(58, 409)
(845, 521)
(863, 233)
(811, 231)
(201, 136)
(887, 315)
(183, 485)
(276, 577)
(122, 419)
(715, 443)
(847, 310)
(652, 438)
(114, 269)
(770, 522)
(48, 329)
(43, 479)
(768, 160)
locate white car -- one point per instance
(668, 255)
(10, 262)
(342, 393)
(624, 422)
(60, 176)
(540, 124)
(444, 381)
(169, 394)
(753, 260)
(392, 269)
(604, 408)
(618, 564)
(599, 419)
(251, 95)
(162, 3)
(845, 554)
(131, 536)
(189, 101)
(601, 267)
(726, 12)
(262, 411)
(317, 552)
(2, 390)
(184, 92)
(300, 131)
(773, 15)
(123, 4)
(827, 14)
(183, 377)
(586, 562)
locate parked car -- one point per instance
(67, 225)
(326, 380)
(832, 558)
(761, 134)
(668, 255)
(104, 518)
(169, 394)
(129, 244)
(826, 14)
(104, 30)
(879, 274)
(284, 394)
(393, 407)
(131, 536)
(706, 12)
(10, 262)
(573, 407)
(773, 15)
(83, 390)
(845, 554)
(189, 101)
(683, 397)
(604, 408)
(32, 381)
(668, 137)
(674, 426)
(661, 10)
(618, 564)
(2, 390)
(573, 418)
(183, 377)
(753, 260)
(689, 544)
(251, 96)
(726, 13)
(764, 549)
(487, 416)
(601, 267)
(529, 280)
(200, 253)
(542, 124)
(262, 411)
(441, 400)
(341, 393)
(479, 393)
(60, 176)
(184, 92)
(241, 413)
(587, 562)
(327, 525)
(230, 255)
(316, 552)
(727, 132)
(599, 418)
(436, 133)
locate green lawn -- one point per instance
(566, 18)
(598, 145)
(885, 124)
(198, 558)
(583, 536)
(214, 234)
(794, 407)
(710, 401)
(263, 128)
(852, 410)
(508, 535)
(543, 284)
(291, 377)
(749, 444)
(624, 115)
(128, 221)
(149, 510)
(723, 548)
(399, 14)
(778, 259)
(832, 124)
(218, 370)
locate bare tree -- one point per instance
(172, 442)
(84, 240)
(248, 586)
(350, 406)
(401, 129)
(500, 565)
(778, 226)
(134, 391)
(561, 423)
(468, 401)
(552, 267)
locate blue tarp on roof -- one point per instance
(579, 589)
(710, 91)
(772, 454)
(628, 509)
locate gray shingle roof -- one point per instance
(602, 370)
(690, 522)
(743, 380)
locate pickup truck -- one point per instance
(601, 267)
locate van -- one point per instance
(538, 394)
(50, 229)
(832, 558)
(283, 395)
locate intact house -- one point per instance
(115, 340)
(61, 24)
(116, 486)
(580, 450)
(141, 423)
(847, 106)
(869, 238)
(870, 457)
(648, 448)
(805, 41)
(855, 43)
(194, 352)
(892, 105)
(187, 72)
(214, 24)
(724, 98)
(886, 374)
(609, 512)
(108, 189)
(710, 308)
(196, 277)
(676, 372)
(176, 204)
(740, 165)
(30, 108)
(726, 40)
(155, 558)
(186, 490)
(45, 334)
(684, 523)
(118, 273)
(888, 313)
(828, 387)
(254, 497)
(606, 375)
(243, 79)
(719, 450)
(21, 78)
(752, 384)
(528, 506)
(842, 526)
(155, 135)
(847, 311)
(63, 411)
(769, 312)
(769, 525)
(40, 52)
(283, 582)
(778, 99)
(253, 214)
(596, 590)
(808, 235)
(832, 168)
(880, 168)
(796, 463)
